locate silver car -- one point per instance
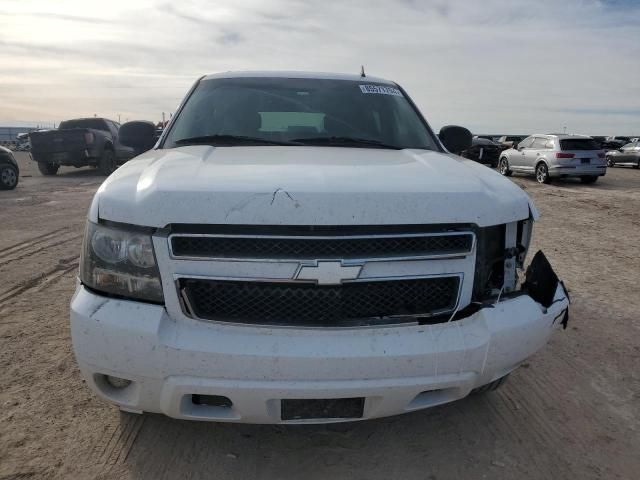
(553, 156)
(626, 155)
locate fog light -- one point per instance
(117, 382)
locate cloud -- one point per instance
(59, 16)
(230, 38)
(612, 110)
(496, 65)
(169, 9)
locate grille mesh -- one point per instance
(320, 248)
(301, 304)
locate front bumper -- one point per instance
(396, 369)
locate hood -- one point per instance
(274, 185)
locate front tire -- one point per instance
(503, 167)
(637, 165)
(610, 162)
(589, 179)
(107, 163)
(542, 173)
(48, 169)
(8, 177)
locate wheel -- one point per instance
(492, 386)
(48, 168)
(637, 165)
(503, 167)
(107, 163)
(542, 173)
(8, 177)
(589, 179)
(610, 162)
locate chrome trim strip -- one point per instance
(345, 261)
(178, 276)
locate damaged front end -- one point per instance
(541, 284)
(501, 253)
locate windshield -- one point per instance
(299, 112)
(94, 123)
(578, 144)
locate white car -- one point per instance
(555, 156)
(301, 248)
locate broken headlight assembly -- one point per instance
(501, 251)
(120, 262)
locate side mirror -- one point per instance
(139, 135)
(455, 139)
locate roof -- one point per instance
(293, 74)
(561, 136)
(85, 118)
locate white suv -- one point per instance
(302, 248)
(553, 156)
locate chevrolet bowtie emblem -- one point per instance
(328, 273)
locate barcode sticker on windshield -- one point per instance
(380, 90)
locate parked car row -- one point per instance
(613, 142)
(20, 144)
(96, 142)
(78, 142)
(555, 155)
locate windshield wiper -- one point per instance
(227, 140)
(346, 142)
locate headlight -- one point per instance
(120, 262)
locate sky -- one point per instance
(494, 66)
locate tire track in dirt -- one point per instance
(20, 246)
(63, 267)
(114, 446)
(41, 246)
(514, 426)
(19, 476)
(553, 426)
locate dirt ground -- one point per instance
(573, 411)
